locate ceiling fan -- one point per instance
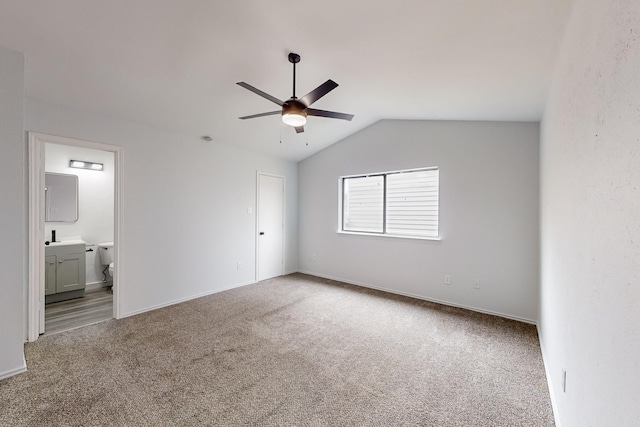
(295, 111)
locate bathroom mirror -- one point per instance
(61, 197)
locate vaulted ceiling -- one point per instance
(174, 64)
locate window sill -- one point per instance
(386, 236)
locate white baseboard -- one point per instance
(16, 371)
(420, 297)
(552, 396)
(178, 301)
(98, 285)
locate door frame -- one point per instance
(284, 219)
(35, 297)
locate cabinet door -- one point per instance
(50, 275)
(71, 273)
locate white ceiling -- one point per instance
(174, 64)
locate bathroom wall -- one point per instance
(95, 201)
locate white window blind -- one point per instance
(402, 203)
(363, 204)
(412, 203)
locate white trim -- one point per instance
(284, 220)
(181, 300)
(362, 175)
(385, 235)
(257, 227)
(118, 197)
(13, 372)
(35, 295)
(420, 297)
(35, 306)
(552, 396)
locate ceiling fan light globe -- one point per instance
(294, 119)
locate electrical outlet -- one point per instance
(239, 266)
(564, 380)
(476, 284)
(447, 279)
(250, 210)
(314, 258)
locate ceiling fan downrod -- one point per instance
(294, 58)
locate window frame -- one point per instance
(341, 204)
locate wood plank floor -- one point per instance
(94, 307)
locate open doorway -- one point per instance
(73, 278)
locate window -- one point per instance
(401, 203)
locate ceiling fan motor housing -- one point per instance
(293, 106)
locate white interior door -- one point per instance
(270, 226)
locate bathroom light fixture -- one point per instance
(81, 164)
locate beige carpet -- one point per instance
(295, 350)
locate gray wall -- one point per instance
(185, 224)
(590, 218)
(488, 214)
(13, 250)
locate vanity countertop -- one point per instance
(68, 242)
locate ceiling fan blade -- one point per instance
(261, 93)
(329, 114)
(253, 116)
(318, 92)
(299, 129)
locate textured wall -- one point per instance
(13, 213)
(488, 214)
(590, 218)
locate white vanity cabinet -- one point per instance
(65, 271)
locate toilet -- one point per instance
(106, 257)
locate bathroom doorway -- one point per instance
(69, 283)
